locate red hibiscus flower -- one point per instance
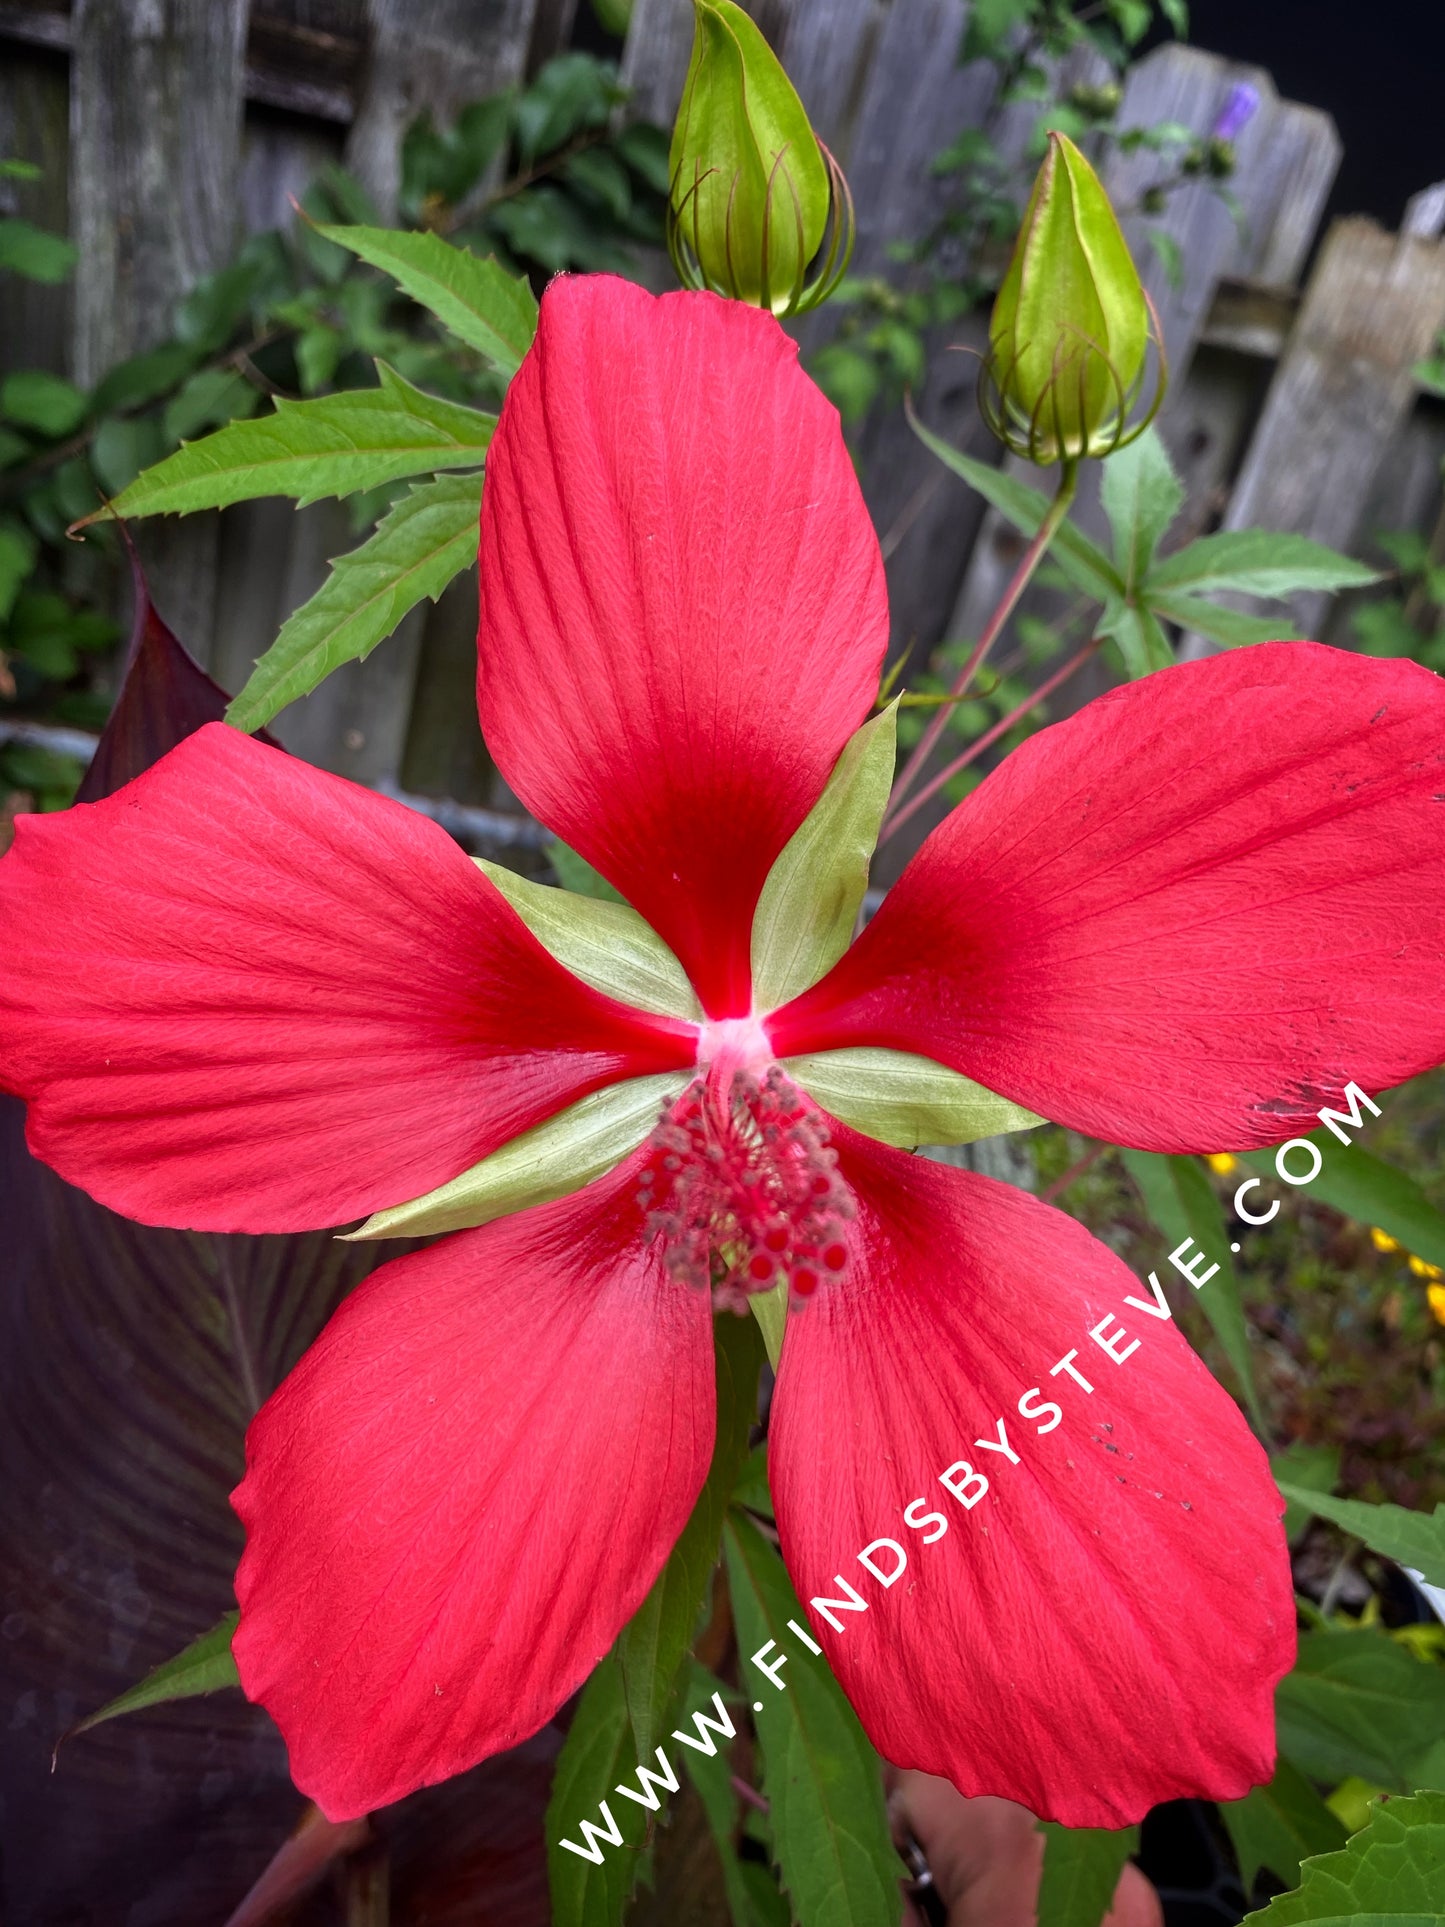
(244, 995)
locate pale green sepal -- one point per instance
(904, 1100)
(571, 1149)
(810, 902)
(770, 1308)
(606, 944)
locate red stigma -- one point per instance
(741, 1188)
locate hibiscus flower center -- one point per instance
(740, 1187)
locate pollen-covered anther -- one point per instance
(741, 1188)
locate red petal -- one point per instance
(464, 1490)
(242, 995)
(1104, 1627)
(683, 605)
(1185, 918)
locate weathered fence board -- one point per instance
(160, 168)
(1287, 159)
(36, 318)
(1373, 307)
(155, 147)
(433, 54)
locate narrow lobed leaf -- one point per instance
(1233, 627)
(1082, 1866)
(1178, 1197)
(484, 306)
(1368, 1189)
(1141, 641)
(335, 445)
(429, 537)
(1256, 562)
(654, 1643)
(1082, 561)
(205, 1666)
(1413, 1539)
(1141, 496)
(830, 1828)
(588, 1892)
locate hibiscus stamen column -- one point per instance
(741, 1188)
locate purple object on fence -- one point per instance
(1239, 109)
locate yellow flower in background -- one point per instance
(1220, 1163)
(1423, 1270)
(1382, 1241)
(1436, 1295)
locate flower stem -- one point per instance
(1022, 575)
(988, 738)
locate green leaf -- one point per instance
(596, 1753)
(429, 537)
(810, 901)
(1392, 1874)
(43, 402)
(1082, 1866)
(484, 306)
(17, 559)
(1178, 1197)
(123, 445)
(752, 1490)
(1311, 1469)
(1359, 1703)
(1256, 562)
(605, 943)
(1370, 1190)
(205, 1666)
(903, 1099)
(1082, 561)
(1141, 642)
(1232, 627)
(749, 1904)
(654, 1643)
(1278, 1825)
(31, 252)
(334, 445)
(551, 1160)
(1413, 1539)
(830, 1830)
(576, 874)
(133, 383)
(1141, 496)
(213, 396)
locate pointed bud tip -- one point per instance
(758, 209)
(1069, 335)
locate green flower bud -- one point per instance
(1071, 328)
(754, 192)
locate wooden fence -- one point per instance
(165, 126)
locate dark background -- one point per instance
(1377, 65)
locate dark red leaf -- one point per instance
(130, 1362)
(164, 697)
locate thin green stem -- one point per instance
(988, 739)
(1022, 575)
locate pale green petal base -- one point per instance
(571, 1149)
(904, 1100)
(810, 902)
(606, 944)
